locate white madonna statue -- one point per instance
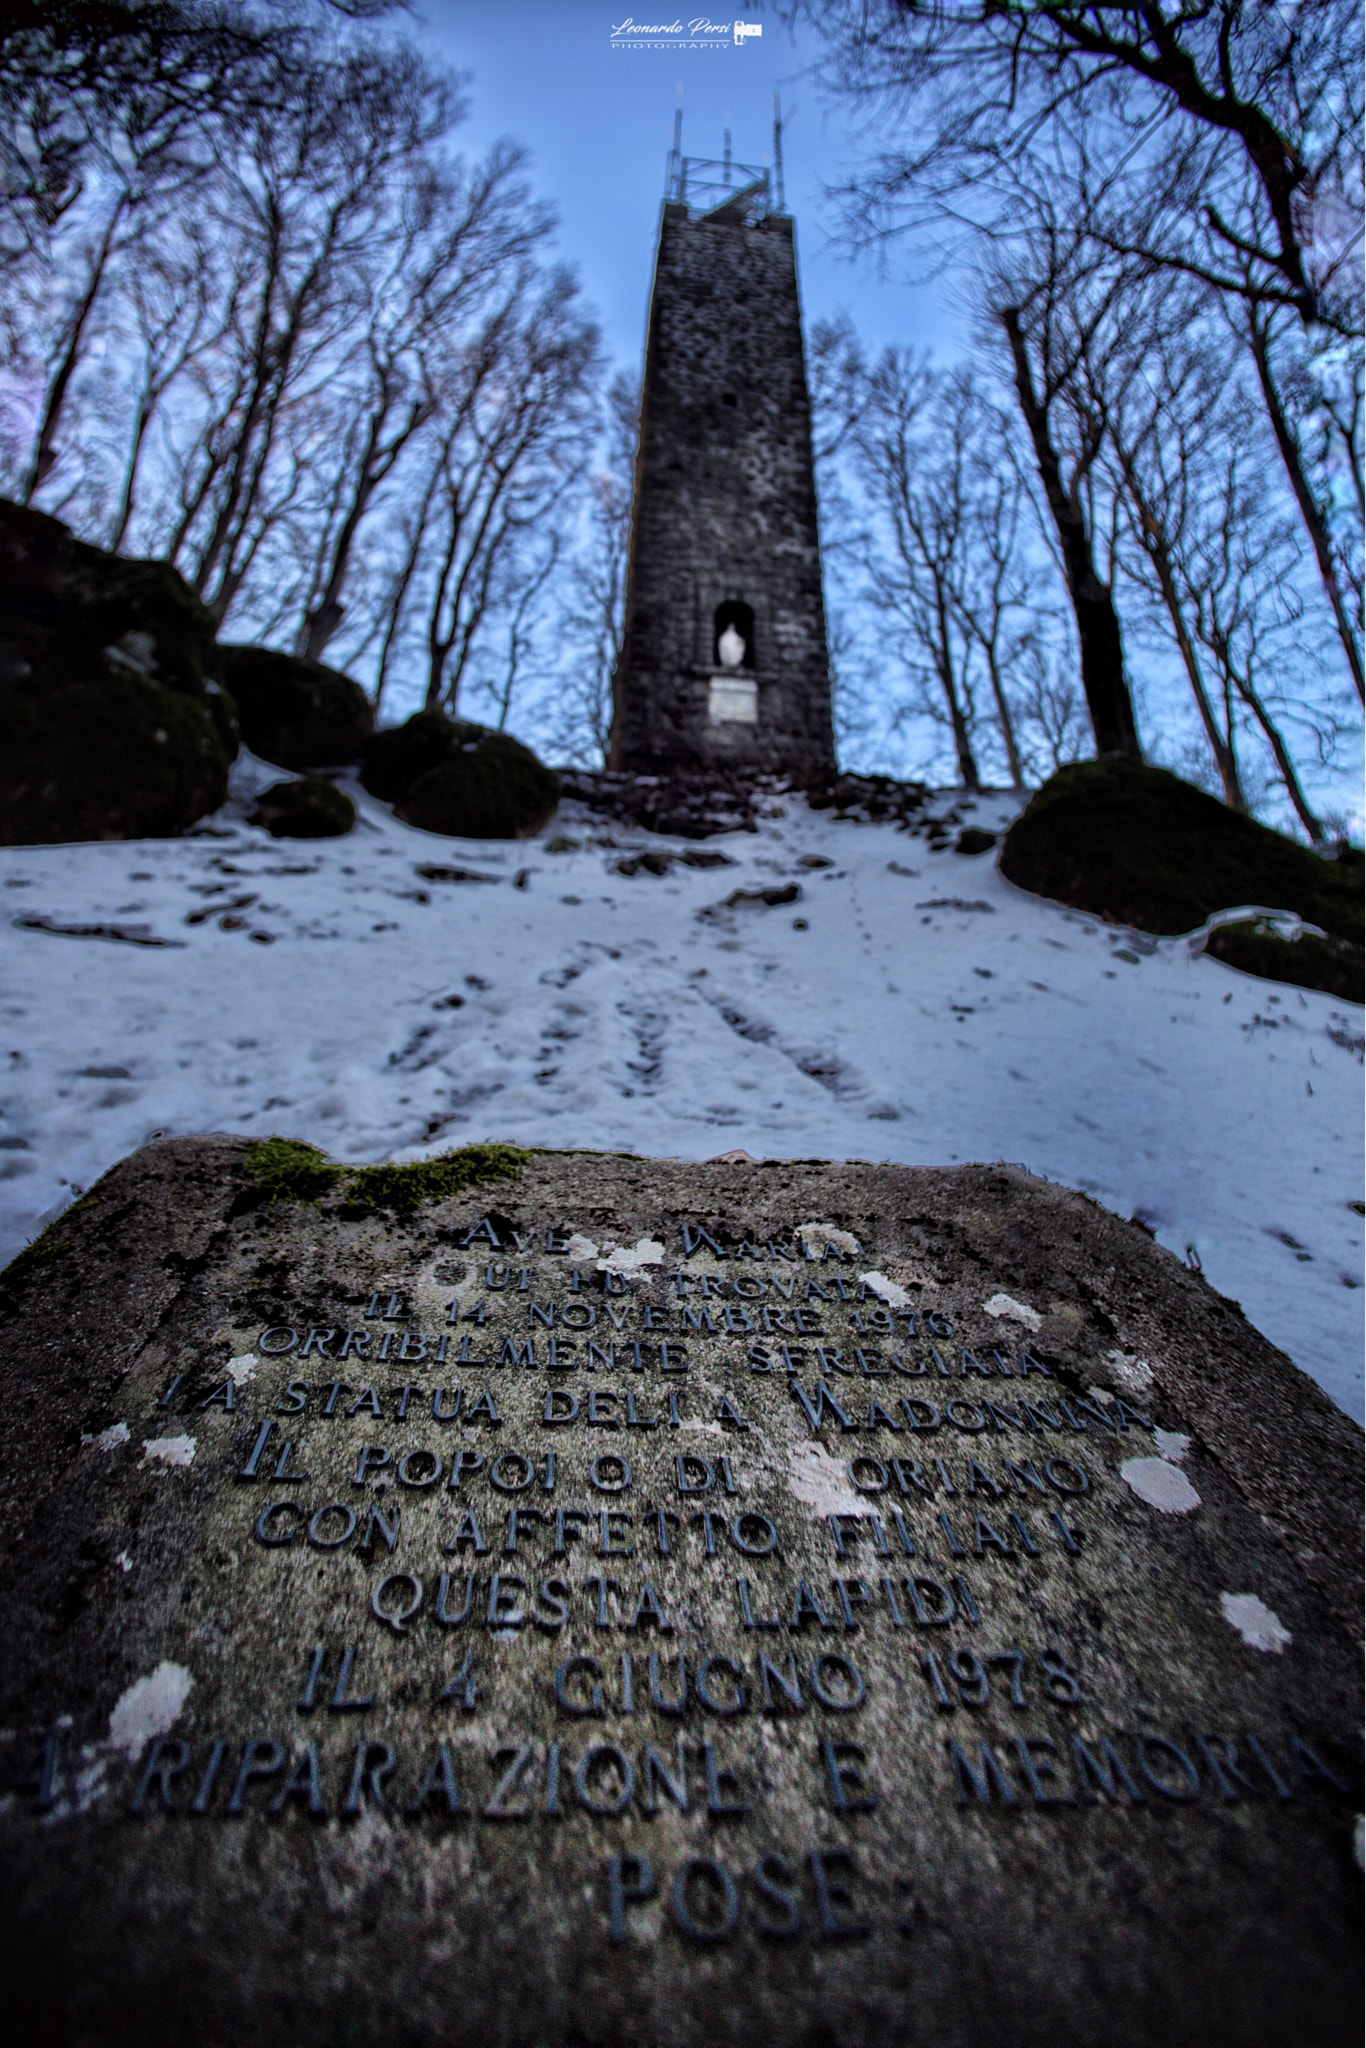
(731, 648)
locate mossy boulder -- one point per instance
(311, 808)
(396, 757)
(1139, 846)
(1306, 959)
(298, 714)
(460, 780)
(112, 722)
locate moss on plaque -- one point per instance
(406, 1187)
(287, 1170)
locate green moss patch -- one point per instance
(433, 1180)
(1308, 960)
(287, 1170)
(290, 1171)
(1138, 846)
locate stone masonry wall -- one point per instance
(725, 509)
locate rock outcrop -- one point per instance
(112, 722)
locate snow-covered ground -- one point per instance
(910, 1006)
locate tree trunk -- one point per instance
(45, 453)
(943, 661)
(401, 586)
(1310, 511)
(325, 617)
(1007, 723)
(1101, 645)
(1275, 740)
(1154, 544)
(140, 425)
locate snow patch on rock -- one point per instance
(1259, 1628)
(150, 1707)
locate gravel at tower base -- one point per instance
(633, 1602)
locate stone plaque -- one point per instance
(630, 1602)
(733, 700)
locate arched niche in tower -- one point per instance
(733, 620)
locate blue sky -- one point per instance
(598, 121)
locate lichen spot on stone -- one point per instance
(241, 1370)
(168, 1450)
(631, 1259)
(888, 1290)
(1133, 1373)
(150, 1707)
(580, 1249)
(110, 1439)
(1259, 1628)
(816, 1236)
(1161, 1484)
(1171, 1445)
(821, 1482)
(1005, 1307)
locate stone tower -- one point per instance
(724, 659)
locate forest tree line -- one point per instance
(1151, 458)
(266, 319)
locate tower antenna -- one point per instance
(727, 160)
(674, 181)
(778, 151)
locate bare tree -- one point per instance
(595, 606)
(461, 234)
(515, 448)
(1259, 326)
(307, 204)
(1210, 544)
(922, 512)
(992, 589)
(1055, 301)
(523, 611)
(170, 296)
(1254, 111)
(1050, 706)
(1157, 394)
(1238, 580)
